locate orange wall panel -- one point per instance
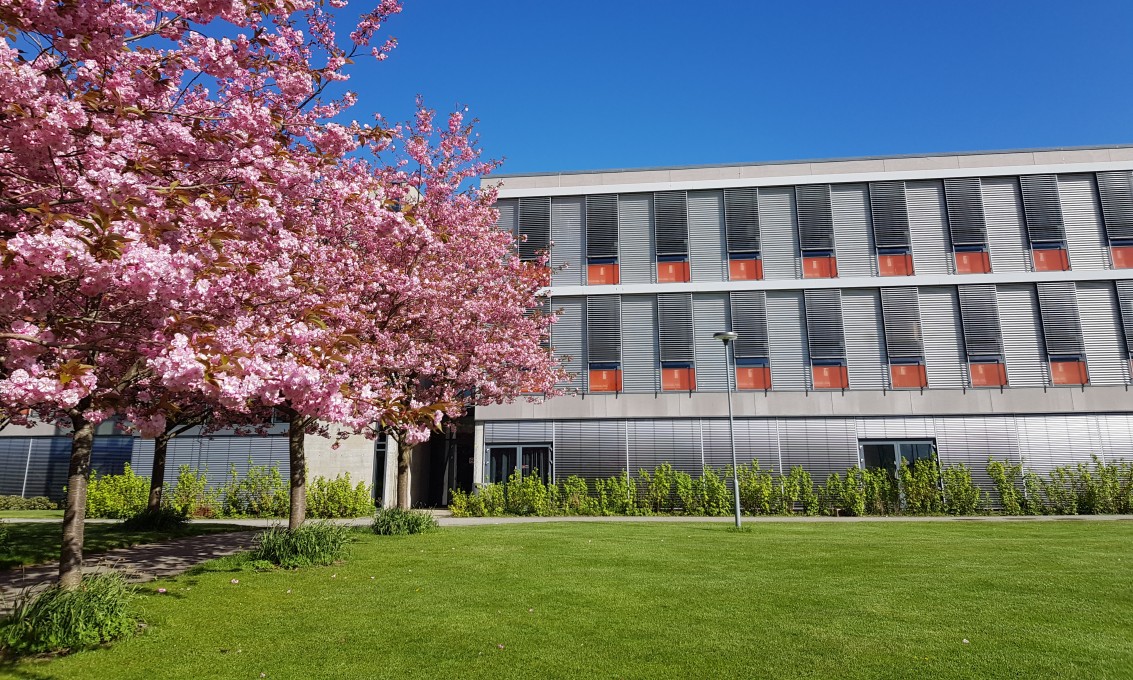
(605, 380)
(820, 268)
(745, 270)
(895, 265)
(988, 374)
(678, 379)
(672, 272)
(753, 378)
(1053, 260)
(973, 263)
(1068, 373)
(1122, 257)
(602, 274)
(830, 377)
(908, 376)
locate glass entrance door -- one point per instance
(537, 460)
(889, 453)
(501, 463)
(524, 460)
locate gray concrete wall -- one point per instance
(354, 456)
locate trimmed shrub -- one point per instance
(164, 519)
(920, 485)
(658, 496)
(399, 522)
(843, 497)
(314, 544)
(757, 489)
(575, 497)
(882, 495)
(21, 503)
(61, 621)
(961, 495)
(191, 495)
(261, 493)
(117, 496)
(328, 498)
(1006, 478)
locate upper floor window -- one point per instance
(741, 223)
(671, 219)
(602, 240)
(890, 214)
(816, 231)
(967, 228)
(1042, 211)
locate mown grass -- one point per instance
(861, 600)
(31, 514)
(37, 543)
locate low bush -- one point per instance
(190, 494)
(399, 522)
(61, 621)
(117, 496)
(261, 493)
(961, 495)
(313, 544)
(163, 519)
(327, 498)
(920, 486)
(21, 503)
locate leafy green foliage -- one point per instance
(882, 493)
(163, 519)
(61, 621)
(1006, 476)
(658, 495)
(920, 485)
(313, 544)
(117, 496)
(844, 497)
(20, 503)
(961, 495)
(191, 494)
(327, 498)
(399, 522)
(261, 493)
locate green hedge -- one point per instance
(21, 503)
(920, 489)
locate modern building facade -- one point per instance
(971, 305)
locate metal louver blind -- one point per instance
(1116, 191)
(567, 258)
(1081, 216)
(567, 340)
(825, 338)
(707, 260)
(603, 329)
(1125, 304)
(865, 339)
(671, 210)
(749, 321)
(816, 222)
(535, 224)
(964, 199)
(508, 216)
(1041, 208)
(1058, 307)
(945, 364)
(636, 256)
(1003, 213)
(900, 308)
(639, 343)
(979, 314)
(741, 217)
(890, 214)
(928, 227)
(779, 237)
(853, 234)
(602, 225)
(674, 327)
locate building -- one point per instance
(972, 305)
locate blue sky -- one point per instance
(580, 85)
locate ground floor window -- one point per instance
(525, 459)
(888, 453)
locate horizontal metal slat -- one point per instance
(671, 214)
(741, 217)
(535, 225)
(674, 327)
(1116, 191)
(816, 222)
(749, 321)
(963, 197)
(602, 225)
(1062, 330)
(890, 214)
(1042, 208)
(979, 313)
(900, 307)
(825, 336)
(603, 329)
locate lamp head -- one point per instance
(725, 336)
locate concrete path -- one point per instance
(139, 563)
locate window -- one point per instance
(602, 240)
(891, 228)
(741, 221)
(534, 227)
(750, 350)
(816, 231)
(674, 335)
(1062, 333)
(983, 338)
(826, 339)
(1116, 192)
(904, 346)
(604, 343)
(671, 213)
(1042, 211)
(963, 198)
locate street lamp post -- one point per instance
(727, 337)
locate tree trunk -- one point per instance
(404, 458)
(295, 436)
(157, 477)
(71, 555)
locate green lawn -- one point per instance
(35, 514)
(853, 600)
(36, 543)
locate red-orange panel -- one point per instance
(908, 375)
(988, 375)
(820, 268)
(745, 270)
(605, 380)
(602, 274)
(973, 263)
(678, 379)
(895, 265)
(1053, 260)
(1122, 257)
(672, 272)
(830, 377)
(753, 377)
(1068, 373)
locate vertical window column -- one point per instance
(750, 349)
(1125, 304)
(1042, 211)
(534, 227)
(674, 339)
(816, 231)
(604, 342)
(826, 339)
(671, 215)
(1062, 333)
(891, 228)
(963, 197)
(983, 337)
(741, 220)
(1116, 190)
(904, 345)
(602, 240)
